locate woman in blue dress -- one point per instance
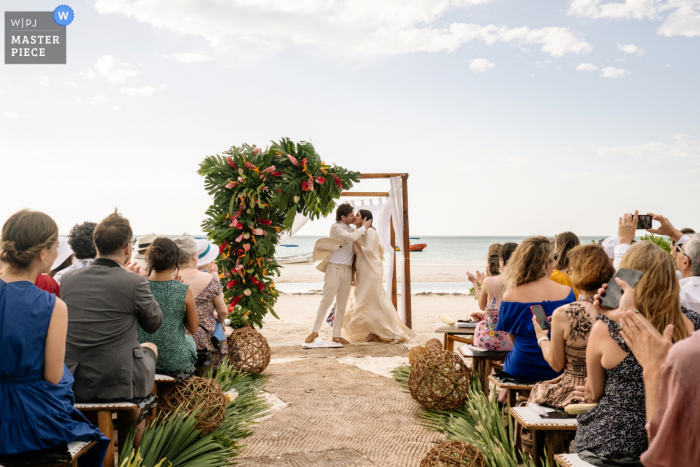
(527, 284)
(36, 389)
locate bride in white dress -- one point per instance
(371, 315)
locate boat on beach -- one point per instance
(416, 246)
(298, 258)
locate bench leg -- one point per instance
(480, 369)
(538, 446)
(554, 443)
(104, 423)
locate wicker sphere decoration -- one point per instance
(440, 381)
(454, 454)
(203, 394)
(248, 350)
(415, 353)
(433, 345)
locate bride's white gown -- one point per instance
(369, 308)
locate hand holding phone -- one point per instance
(613, 292)
(644, 222)
(541, 316)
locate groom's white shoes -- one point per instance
(311, 337)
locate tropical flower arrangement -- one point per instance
(257, 193)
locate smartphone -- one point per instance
(643, 222)
(613, 293)
(493, 260)
(541, 316)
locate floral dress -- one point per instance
(485, 334)
(206, 310)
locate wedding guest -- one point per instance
(177, 351)
(106, 304)
(671, 382)
(527, 284)
(688, 232)
(490, 298)
(571, 326)
(207, 292)
(491, 267)
(83, 247)
(35, 387)
(47, 283)
(139, 256)
(563, 244)
(615, 428)
(688, 263)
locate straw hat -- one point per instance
(206, 252)
(64, 251)
(142, 244)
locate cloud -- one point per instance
(681, 17)
(143, 91)
(11, 115)
(630, 49)
(112, 69)
(116, 107)
(586, 67)
(189, 57)
(98, 99)
(480, 64)
(44, 81)
(75, 85)
(612, 72)
(358, 28)
(683, 147)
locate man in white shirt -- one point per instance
(338, 269)
(688, 263)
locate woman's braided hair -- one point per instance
(24, 235)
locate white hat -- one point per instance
(206, 252)
(64, 251)
(609, 245)
(144, 242)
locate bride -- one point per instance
(372, 314)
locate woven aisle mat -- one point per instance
(371, 349)
(344, 457)
(338, 407)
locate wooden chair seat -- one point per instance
(75, 450)
(104, 421)
(483, 362)
(570, 460)
(549, 435)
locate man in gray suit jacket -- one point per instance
(106, 304)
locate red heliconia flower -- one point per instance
(320, 180)
(254, 280)
(222, 247)
(337, 181)
(231, 284)
(241, 252)
(293, 160)
(278, 191)
(239, 226)
(261, 286)
(231, 163)
(264, 222)
(303, 186)
(276, 174)
(235, 300)
(247, 165)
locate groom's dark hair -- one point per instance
(343, 210)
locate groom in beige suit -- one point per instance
(337, 254)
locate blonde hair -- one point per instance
(657, 294)
(187, 247)
(529, 262)
(24, 235)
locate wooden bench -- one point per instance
(514, 389)
(482, 359)
(452, 333)
(548, 434)
(162, 381)
(75, 450)
(104, 412)
(570, 460)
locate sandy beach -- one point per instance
(297, 311)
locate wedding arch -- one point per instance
(258, 194)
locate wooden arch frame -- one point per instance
(406, 251)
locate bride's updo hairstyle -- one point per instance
(529, 262)
(366, 215)
(163, 254)
(24, 235)
(187, 247)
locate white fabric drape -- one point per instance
(299, 221)
(396, 202)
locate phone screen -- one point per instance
(614, 292)
(644, 222)
(541, 316)
(493, 259)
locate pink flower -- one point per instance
(269, 169)
(320, 180)
(246, 235)
(256, 151)
(246, 246)
(247, 165)
(230, 185)
(265, 188)
(240, 179)
(304, 163)
(239, 226)
(231, 163)
(258, 232)
(239, 238)
(247, 292)
(294, 161)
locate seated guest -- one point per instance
(571, 326)
(485, 334)
(80, 242)
(139, 257)
(207, 291)
(177, 352)
(492, 268)
(688, 264)
(47, 283)
(106, 304)
(563, 244)
(671, 382)
(36, 412)
(615, 428)
(527, 284)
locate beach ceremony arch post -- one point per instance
(406, 251)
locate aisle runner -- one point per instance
(339, 415)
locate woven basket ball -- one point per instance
(433, 345)
(415, 353)
(454, 454)
(440, 381)
(248, 350)
(203, 394)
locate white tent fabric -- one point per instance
(396, 201)
(299, 221)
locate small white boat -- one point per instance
(298, 258)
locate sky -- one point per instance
(511, 117)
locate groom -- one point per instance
(337, 255)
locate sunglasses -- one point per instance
(680, 250)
